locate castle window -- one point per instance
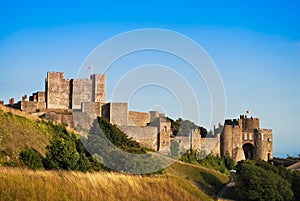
(250, 136)
(262, 136)
(245, 136)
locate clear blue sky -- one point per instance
(254, 44)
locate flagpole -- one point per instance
(91, 68)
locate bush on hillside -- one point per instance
(117, 151)
(32, 158)
(66, 152)
(215, 162)
(189, 157)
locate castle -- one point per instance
(244, 139)
(77, 102)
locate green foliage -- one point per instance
(32, 159)
(62, 153)
(174, 148)
(116, 150)
(189, 157)
(258, 181)
(101, 128)
(228, 161)
(296, 185)
(182, 127)
(222, 164)
(66, 152)
(215, 162)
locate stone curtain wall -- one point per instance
(82, 92)
(138, 118)
(147, 136)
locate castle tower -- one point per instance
(99, 88)
(88, 91)
(231, 138)
(164, 132)
(249, 124)
(264, 147)
(57, 91)
(243, 139)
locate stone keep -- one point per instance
(63, 93)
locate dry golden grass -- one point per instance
(22, 184)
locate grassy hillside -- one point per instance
(18, 132)
(181, 182)
(207, 180)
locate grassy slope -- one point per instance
(17, 132)
(181, 181)
(207, 180)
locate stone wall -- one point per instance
(211, 145)
(82, 119)
(138, 118)
(192, 141)
(184, 143)
(164, 132)
(82, 92)
(32, 106)
(116, 113)
(64, 118)
(146, 136)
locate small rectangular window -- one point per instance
(250, 136)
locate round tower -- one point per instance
(226, 140)
(263, 144)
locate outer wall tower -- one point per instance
(263, 144)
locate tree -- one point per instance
(256, 183)
(228, 160)
(62, 154)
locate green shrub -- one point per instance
(31, 158)
(189, 157)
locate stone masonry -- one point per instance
(244, 139)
